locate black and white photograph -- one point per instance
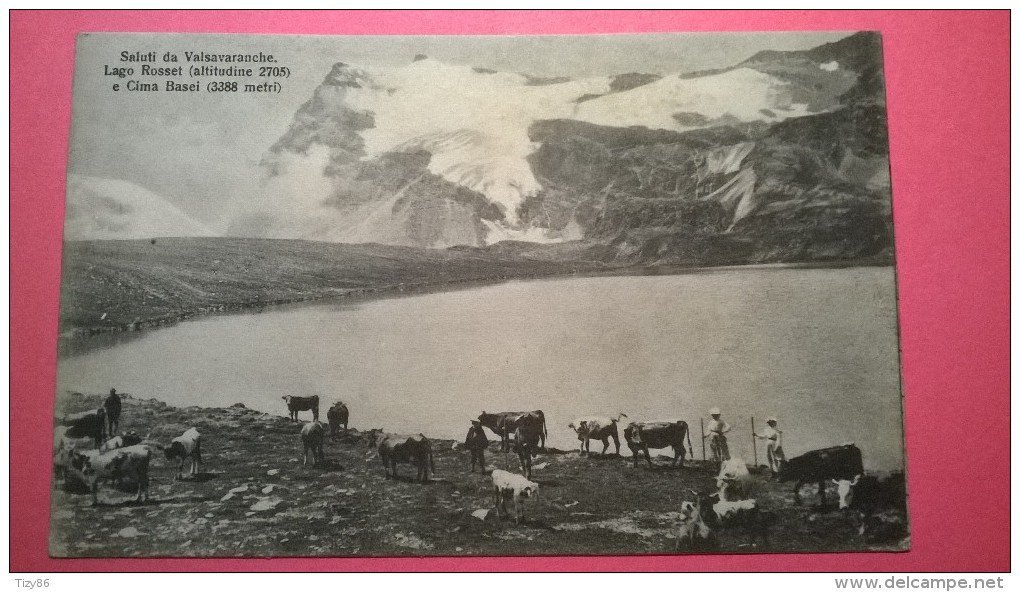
(379, 296)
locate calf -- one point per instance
(112, 406)
(336, 415)
(184, 447)
(91, 424)
(296, 404)
(511, 486)
(837, 462)
(131, 462)
(312, 436)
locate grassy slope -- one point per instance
(347, 508)
(110, 285)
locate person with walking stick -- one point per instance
(717, 429)
(773, 448)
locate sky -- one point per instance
(200, 151)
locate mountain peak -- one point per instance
(344, 75)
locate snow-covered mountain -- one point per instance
(99, 208)
(433, 154)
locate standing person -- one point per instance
(112, 406)
(773, 450)
(717, 429)
(476, 442)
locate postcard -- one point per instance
(461, 296)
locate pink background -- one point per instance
(948, 97)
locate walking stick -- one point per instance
(702, 438)
(754, 442)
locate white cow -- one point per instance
(186, 446)
(512, 486)
(597, 428)
(129, 439)
(734, 480)
(312, 435)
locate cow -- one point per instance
(870, 492)
(641, 436)
(184, 447)
(597, 428)
(526, 440)
(817, 466)
(734, 480)
(505, 423)
(743, 515)
(312, 435)
(129, 439)
(694, 534)
(131, 462)
(91, 424)
(112, 406)
(296, 404)
(337, 415)
(866, 496)
(511, 486)
(416, 450)
(63, 450)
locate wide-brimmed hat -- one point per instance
(714, 411)
(771, 419)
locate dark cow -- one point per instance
(112, 406)
(868, 492)
(416, 450)
(296, 404)
(875, 506)
(87, 424)
(337, 415)
(817, 466)
(597, 428)
(641, 436)
(526, 439)
(312, 436)
(505, 423)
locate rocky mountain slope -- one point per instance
(783, 157)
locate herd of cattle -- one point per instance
(126, 457)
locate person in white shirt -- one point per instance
(717, 429)
(773, 449)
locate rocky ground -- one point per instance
(254, 497)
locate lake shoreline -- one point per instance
(73, 332)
